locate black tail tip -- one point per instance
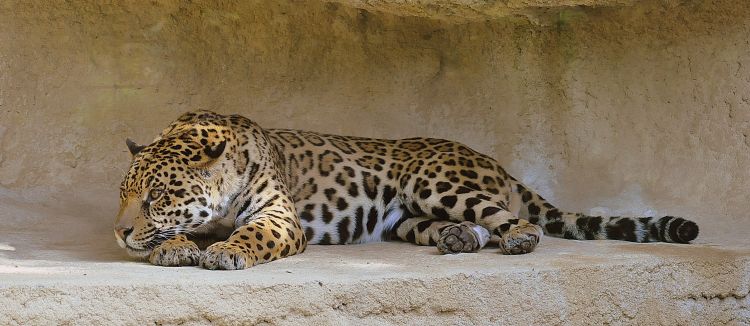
(687, 231)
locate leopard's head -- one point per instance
(173, 186)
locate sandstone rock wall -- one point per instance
(630, 107)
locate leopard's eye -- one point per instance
(154, 194)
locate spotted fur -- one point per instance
(277, 190)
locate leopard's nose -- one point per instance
(123, 232)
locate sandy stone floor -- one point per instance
(57, 273)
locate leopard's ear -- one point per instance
(215, 151)
(133, 147)
(207, 145)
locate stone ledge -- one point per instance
(563, 282)
(467, 10)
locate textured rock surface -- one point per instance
(563, 282)
(631, 109)
(50, 275)
(634, 108)
(469, 10)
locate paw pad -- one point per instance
(520, 240)
(457, 239)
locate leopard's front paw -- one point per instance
(178, 251)
(225, 255)
(521, 238)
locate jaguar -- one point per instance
(266, 194)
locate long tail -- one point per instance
(578, 226)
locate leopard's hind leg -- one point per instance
(455, 203)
